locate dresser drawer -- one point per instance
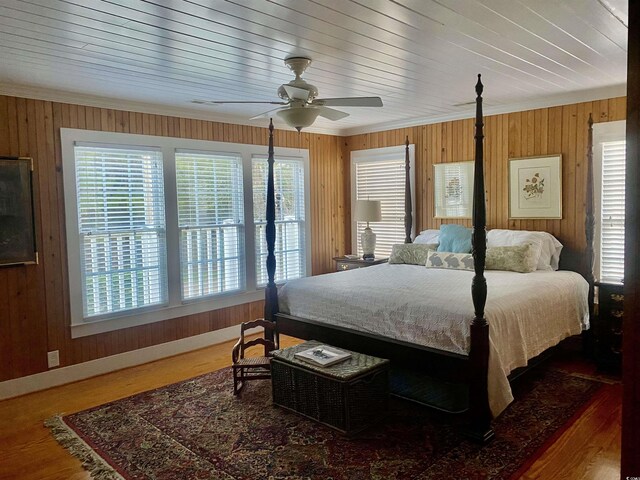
(340, 266)
(343, 263)
(608, 326)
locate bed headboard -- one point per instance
(573, 260)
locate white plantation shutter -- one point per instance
(382, 180)
(211, 222)
(290, 218)
(612, 211)
(121, 222)
(157, 228)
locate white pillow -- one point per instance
(428, 236)
(549, 245)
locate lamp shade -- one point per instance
(368, 211)
(299, 117)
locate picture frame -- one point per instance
(453, 189)
(535, 187)
(17, 218)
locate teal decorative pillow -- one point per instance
(454, 238)
(515, 258)
(451, 260)
(411, 253)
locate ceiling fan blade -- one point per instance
(296, 93)
(221, 102)
(331, 113)
(350, 102)
(265, 114)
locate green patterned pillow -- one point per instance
(515, 258)
(411, 253)
(454, 261)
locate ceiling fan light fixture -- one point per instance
(302, 107)
(299, 117)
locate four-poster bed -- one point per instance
(468, 368)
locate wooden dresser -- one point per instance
(344, 263)
(607, 328)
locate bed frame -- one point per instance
(471, 370)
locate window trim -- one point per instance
(176, 306)
(375, 155)
(602, 132)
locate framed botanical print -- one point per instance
(17, 226)
(535, 187)
(453, 189)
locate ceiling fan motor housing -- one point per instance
(298, 83)
(298, 65)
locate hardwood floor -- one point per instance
(589, 449)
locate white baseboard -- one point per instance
(80, 371)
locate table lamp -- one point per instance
(368, 211)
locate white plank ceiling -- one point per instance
(420, 56)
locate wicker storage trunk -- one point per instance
(347, 396)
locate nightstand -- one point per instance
(344, 263)
(607, 328)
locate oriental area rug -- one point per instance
(197, 429)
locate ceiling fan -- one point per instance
(300, 106)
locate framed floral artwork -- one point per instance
(535, 187)
(453, 189)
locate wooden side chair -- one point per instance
(252, 368)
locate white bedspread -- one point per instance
(527, 313)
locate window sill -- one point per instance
(134, 319)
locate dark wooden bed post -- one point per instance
(271, 292)
(590, 220)
(408, 213)
(479, 411)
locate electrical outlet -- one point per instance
(53, 358)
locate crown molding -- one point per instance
(143, 107)
(63, 96)
(544, 102)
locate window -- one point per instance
(379, 174)
(211, 223)
(160, 227)
(121, 227)
(609, 169)
(288, 176)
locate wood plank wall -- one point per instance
(34, 300)
(561, 129)
(34, 304)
